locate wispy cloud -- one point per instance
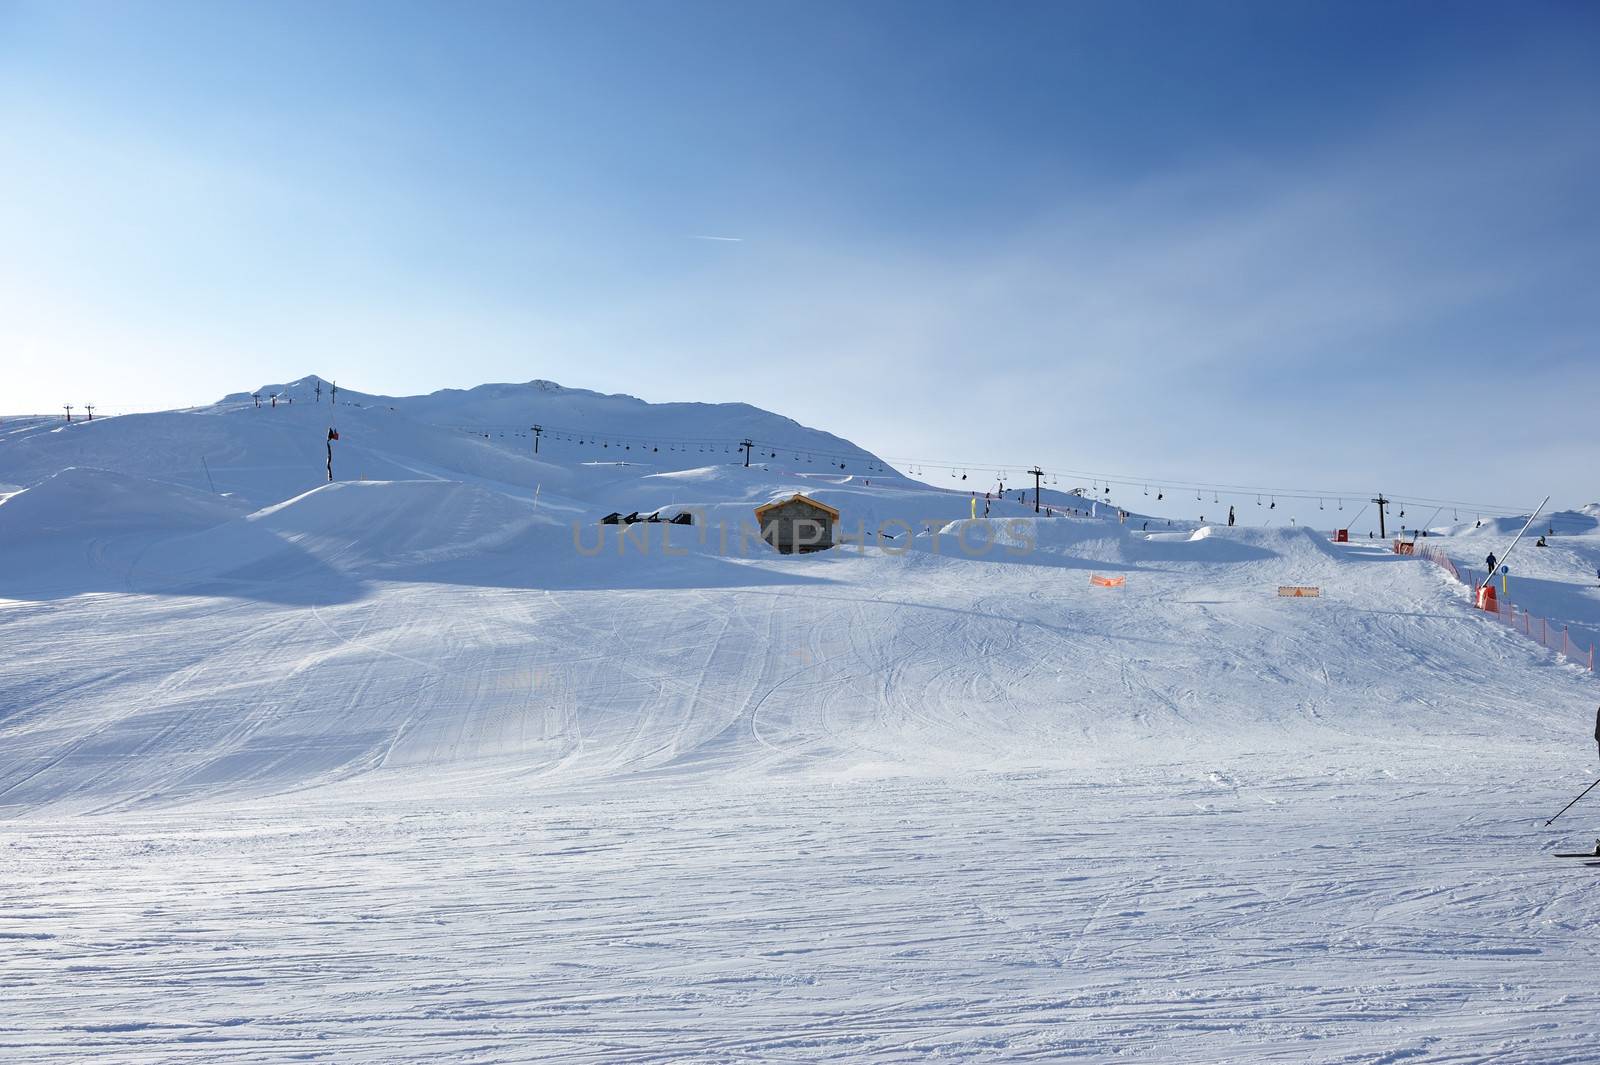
(730, 240)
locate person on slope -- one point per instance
(1230, 516)
(1540, 542)
(1597, 729)
(1490, 562)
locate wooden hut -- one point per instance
(797, 524)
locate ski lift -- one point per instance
(1320, 506)
(1258, 499)
(1146, 489)
(1159, 495)
(1341, 504)
(1197, 498)
(1402, 512)
(1274, 505)
(1218, 499)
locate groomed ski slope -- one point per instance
(399, 770)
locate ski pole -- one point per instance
(1574, 802)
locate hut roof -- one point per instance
(800, 497)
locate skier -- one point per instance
(1490, 560)
(333, 434)
(1540, 542)
(1230, 515)
(1597, 729)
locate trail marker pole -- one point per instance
(1574, 802)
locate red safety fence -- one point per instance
(1556, 637)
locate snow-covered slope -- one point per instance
(469, 775)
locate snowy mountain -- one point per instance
(1024, 783)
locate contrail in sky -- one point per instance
(735, 240)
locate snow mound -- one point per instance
(349, 528)
(80, 502)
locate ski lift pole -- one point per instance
(1490, 577)
(1574, 802)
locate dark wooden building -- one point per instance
(797, 524)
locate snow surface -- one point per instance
(432, 766)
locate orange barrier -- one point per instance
(1107, 582)
(1341, 536)
(1404, 547)
(1299, 591)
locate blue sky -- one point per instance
(1295, 244)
